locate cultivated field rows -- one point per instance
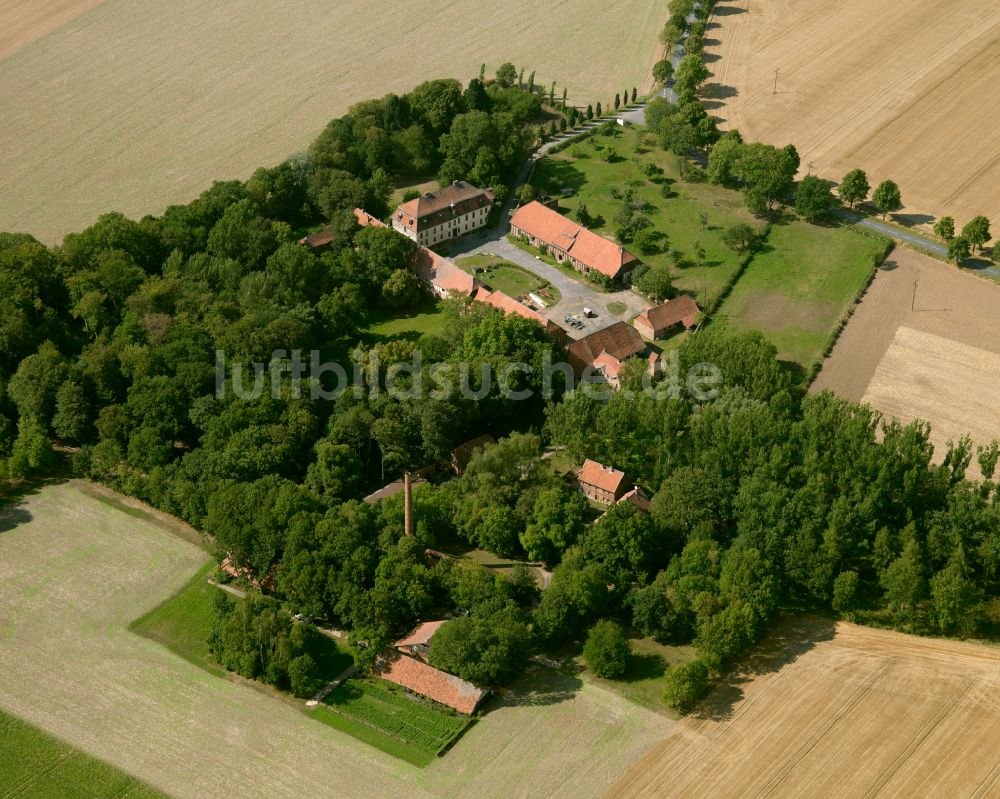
(75, 571)
(854, 712)
(139, 104)
(900, 90)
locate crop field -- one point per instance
(896, 89)
(922, 345)
(76, 569)
(838, 710)
(138, 104)
(799, 286)
(38, 765)
(678, 217)
(378, 706)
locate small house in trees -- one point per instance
(318, 241)
(568, 241)
(637, 498)
(444, 214)
(602, 355)
(656, 322)
(601, 483)
(418, 643)
(462, 454)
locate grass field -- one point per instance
(642, 682)
(113, 111)
(75, 572)
(511, 279)
(678, 217)
(923, 345)
(799, 285)
(828, 709)
(416, 731)
(409, 325)
(35, 764)
(896, 90)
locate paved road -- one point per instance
(916, 239)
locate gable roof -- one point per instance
(321, 238)
(427, 681)
(604, 477)
(638, 498)
(463, 453)
(593, 251)
(365, 219)
(508, 305)
(621, 341)
(437, 207)
(420, 636)
(680, 310)
(441, 272)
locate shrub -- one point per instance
(607, 650)
(685, 686)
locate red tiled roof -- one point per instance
(620, 340)
(638, 498)
(441, 272)
(508, 305)
(365, 219)
(321, 238)
(603, 477)
(425, 680)
(680, 310)
(420, 636)
(593, 251)
(434, 208)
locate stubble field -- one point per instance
(922, 345)
(900, 89)
(838, 710)
(75, 570)
(138, 104)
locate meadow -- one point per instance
(75, 572)
(897, 90)
(799, 286)
(138, 104)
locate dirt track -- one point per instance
(923, 345)
(838, 710)
(903, 90)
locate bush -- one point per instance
(302, 676)
(607, 650)
(685, 686)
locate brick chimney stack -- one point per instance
(407, 504)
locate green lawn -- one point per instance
(678, 217)
(34, 764)
(800, 285)
(409, 325)
(380, 714)
(184, 622)
(565, 268)
(511, 279)
(643, 681)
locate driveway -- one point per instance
(576, 295)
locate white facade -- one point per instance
(448, 229)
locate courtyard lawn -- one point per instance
(38, 765)
(595, 182)
(410, 325)
(382, 715)
(565, 268)
(511, 279)
(799, 286)
(643, 679)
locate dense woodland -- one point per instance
(761, 500)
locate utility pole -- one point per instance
(810, 165)
(777, 72)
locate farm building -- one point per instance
(605, 352)
(568, 241)
(655, 322)
(441, 276)
(444, 214)
(418, 643)
(509, 305)
(462, 454)
(602, 483)
(318, 241)
(637, 498)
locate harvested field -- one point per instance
(838, 710)
(23, 22)
(75, 571)
(922, 345)
(897, 90)
(140, 104)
